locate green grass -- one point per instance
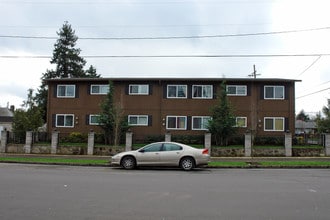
(55, 161)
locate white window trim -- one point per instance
(202, 117)
(138, 116)
(176, 116)
(203, 86)
(245, 125)
(99, 85)
(60, 126)
(186, 91)
(274, 118)
(236, 94)
(274, 92)
(59, 96)
(90, 119)
(138, 93)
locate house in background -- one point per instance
(305, 127)
(6, 119)
(181, 106)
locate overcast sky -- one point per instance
(299, 28)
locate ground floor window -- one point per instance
(138, 120)
(241, 122)
(200, 122)
(274, 123)
(94, 119)
(176, 122)
(64, 120)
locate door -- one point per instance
(171, 154)
(149, 155)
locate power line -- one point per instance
(317, 59)
(172, 56)
(312, 93)
(171, 37)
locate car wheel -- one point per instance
(128, 162)
(187, 163)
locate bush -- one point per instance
(277, 141)
(76, 137)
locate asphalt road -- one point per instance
(65, 192)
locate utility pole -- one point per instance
(254, 73)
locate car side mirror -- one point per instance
(141, 151)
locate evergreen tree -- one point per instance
(222, 124)
(112, 120)
(68, 64)
(323, 123)
(302, 116)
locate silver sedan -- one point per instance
(163, 154)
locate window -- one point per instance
(274, 124)
(94, 119)
(152, 147)
(64, 120)
(138, 89)
(202, 91)
(235, 90)
(171, 147)
(177, 91)
(176, 122)
(99, 89)
(200, 122)
(241, 122)
(274, 92)
(67, 91)
(138, 120)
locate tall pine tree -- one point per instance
(68, 64)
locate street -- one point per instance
(72, 192)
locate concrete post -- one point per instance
(168, 137)
(129, 141)
(90, 144)
(248, 145)
(54, 144)
(28, 142)
(207, 141)
(3, 141)
(327, 144)
(288, 144)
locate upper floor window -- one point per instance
(236, 90)
(202, 91)
(274, 92)
(139, 89)
(200, 122)
(176, 122)
(241, 122)
(99, 89)
(138, 120)
(176, 91)
(94, 119)
(67, 91)
(64, 120)
(274, 123)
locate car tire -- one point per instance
(128, 163)
(187, 163)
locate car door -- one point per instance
(149, 154)
(171, 154)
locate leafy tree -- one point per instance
(302, 116)
(68, 64)
(222, 124)
(111, 118)
(323, 123)
(28, 118)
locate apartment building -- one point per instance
(181, 106)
